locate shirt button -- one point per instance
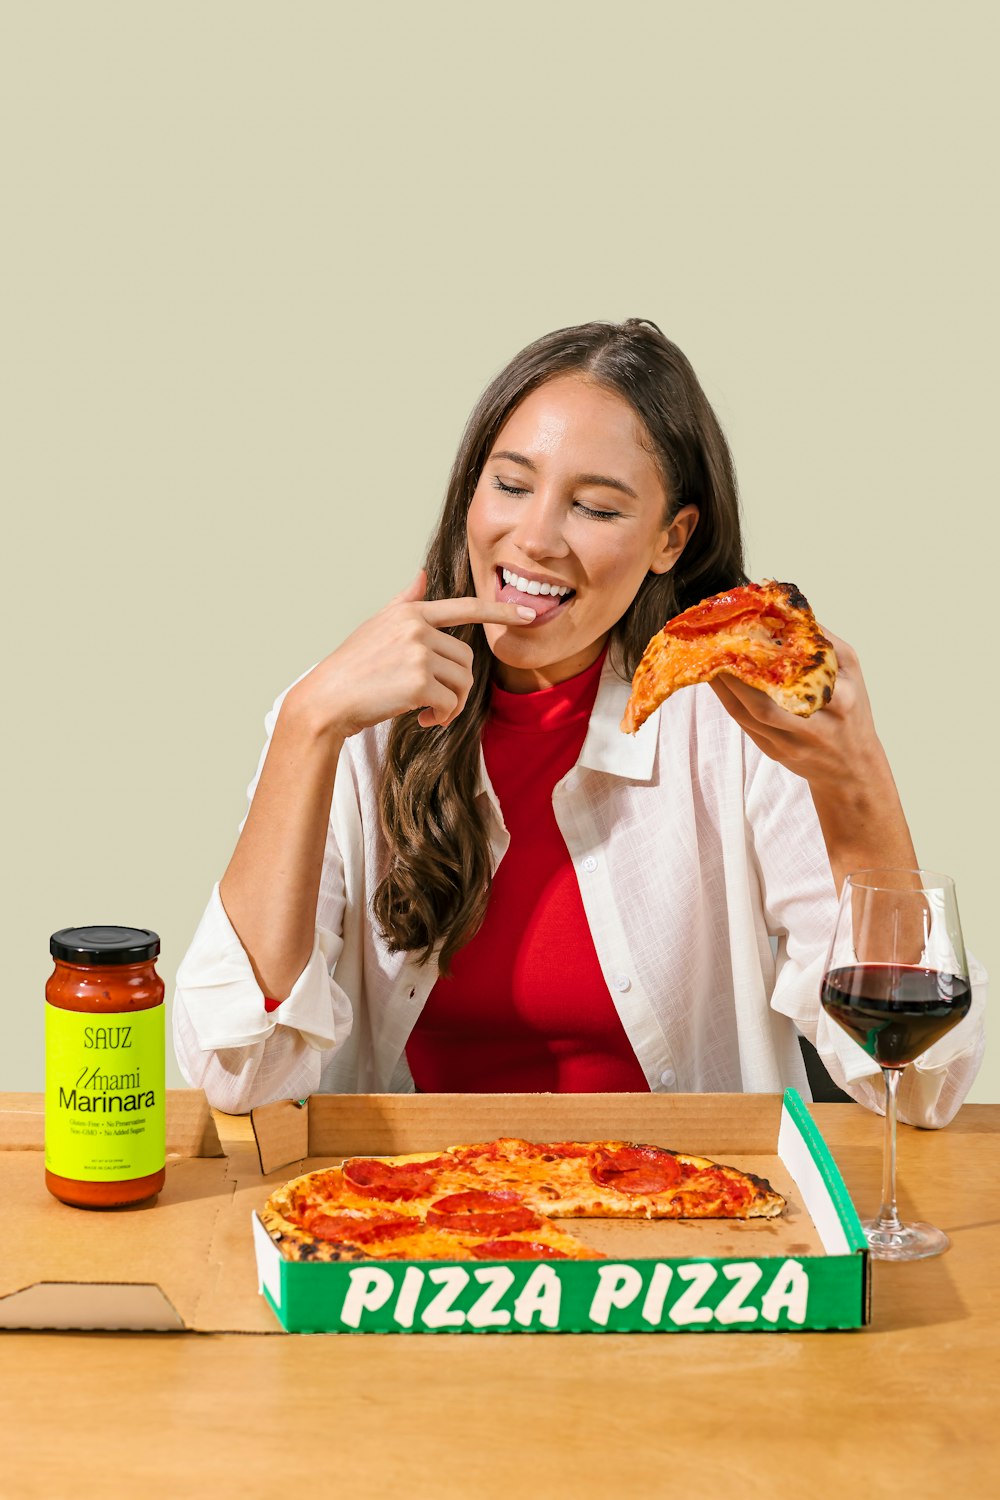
(590, 863)
(668, 1077)
(622, 982)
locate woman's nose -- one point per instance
(539, 529)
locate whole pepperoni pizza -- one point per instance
(763, 633)
(500, 1200)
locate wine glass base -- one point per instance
(907, 1242)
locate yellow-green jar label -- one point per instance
(104, 1094)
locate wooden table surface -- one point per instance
(906, 1407)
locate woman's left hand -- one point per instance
(831, 749)
(839, 754)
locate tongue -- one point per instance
(542, 604)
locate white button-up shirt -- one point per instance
(708, 892)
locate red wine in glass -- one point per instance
(895, 1011)
(897, 981)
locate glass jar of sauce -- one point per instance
(104, 1068)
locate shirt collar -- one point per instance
(606, 748)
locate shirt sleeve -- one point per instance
(800, 907)
(226, 1040)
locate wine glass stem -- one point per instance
(888, 1218)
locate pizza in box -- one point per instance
(506, 1199)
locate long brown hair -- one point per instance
(435, 884)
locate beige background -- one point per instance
(258, 262)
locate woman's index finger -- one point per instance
(472, 611)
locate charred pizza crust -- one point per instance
(763, 633)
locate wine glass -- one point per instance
(896, 980)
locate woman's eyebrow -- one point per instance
(601, 479)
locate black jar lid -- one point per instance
(104, 945)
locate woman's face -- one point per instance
(569, 497)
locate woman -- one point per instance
(507, 893)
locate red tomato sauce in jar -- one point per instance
(104, 1068)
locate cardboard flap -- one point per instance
(163, 1242)
(385, 1124)
(190, 1128)
(807, 1157)
(282, 1132)
(81, 1305)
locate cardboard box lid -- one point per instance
(162, 1265)
(338, 1125)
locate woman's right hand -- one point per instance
(399, 660)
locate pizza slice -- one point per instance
(319, 1217)
(763, 633)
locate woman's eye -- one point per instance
(598, 515)
(587, 510)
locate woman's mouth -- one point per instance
(546, 597)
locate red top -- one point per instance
(526, 1007)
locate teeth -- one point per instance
(532, 586)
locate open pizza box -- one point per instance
(187, 1261)
(806, 1269)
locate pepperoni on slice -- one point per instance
(637, 1169)
(722, 609)
(331, 1226)
(361, 1231)
(389, 1227)
(517, 1250)
(482, 1212)
(391, 1182)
